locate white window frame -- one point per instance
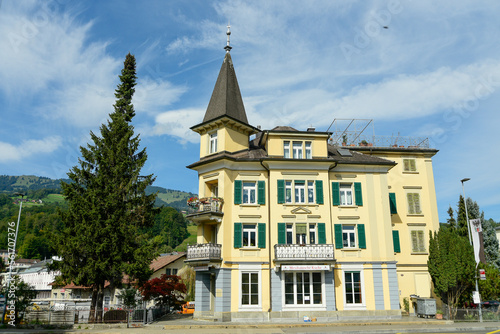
(311, 198)
(347, 231)
(250, 269)
(286, 149)
(299, 192)
(295, 293)
(289, 229)
(346, 193)
(297, 149)
(308, 149)
(414, 207)
(289, 193)
(312, 228)
(301, 238)
(212, 142)
(349, 268)
(420, 246)
(292, 235)
(249, 187)
(249, 229)
(303, 192)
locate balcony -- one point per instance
(206, 209)
(308, 253)
(204, 253)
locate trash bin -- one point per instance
(426, 307)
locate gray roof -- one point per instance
(226, 97)
(258, 153)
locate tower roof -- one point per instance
(226, 97)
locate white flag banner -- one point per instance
(475, 225)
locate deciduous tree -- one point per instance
(166, 290)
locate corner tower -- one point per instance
(225, 126)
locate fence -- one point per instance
(471, 314)
(72, 315)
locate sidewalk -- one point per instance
(174, 324)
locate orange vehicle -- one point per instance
(188, 308)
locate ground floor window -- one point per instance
(353, 293)
(249, 288)
(303, 288)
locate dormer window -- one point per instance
(308, 150)
(297, 150)
(213, 142)
(286, 149)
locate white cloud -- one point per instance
(152, 96)
(28, 148)
(177, 123)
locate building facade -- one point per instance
(290, 225)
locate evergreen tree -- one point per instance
(452, 223)
(490, 243)
(461, 218)
(451, 266)
(107, 204)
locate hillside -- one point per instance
(32, 186)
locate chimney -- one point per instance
(311, 129)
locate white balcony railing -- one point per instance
(204, 252)
(304, 252)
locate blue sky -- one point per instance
(435, 72)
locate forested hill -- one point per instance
(37, 187)
(24, 183)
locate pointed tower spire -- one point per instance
(228, 33)
(226, 97)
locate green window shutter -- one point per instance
(392, 203)
(361, 236)
(261, 186)
(301, 228)
(336, 193)
(237, 192)
(358, 194)
(237, 235)
(261, 229)
(338, 236)
(395, 240)
(281, 233)
(319, 192)
(321, 234)
(281, 191)
(413, 166)
(406, 165)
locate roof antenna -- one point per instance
(228, 33)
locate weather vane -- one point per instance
(228, 33)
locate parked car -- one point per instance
(490, 305)
(188, 308)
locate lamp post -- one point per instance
(466, 213)
(470, 241)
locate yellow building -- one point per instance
(292, 226)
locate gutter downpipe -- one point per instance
(269, 237)
(331, 222)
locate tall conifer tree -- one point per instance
(108, 204)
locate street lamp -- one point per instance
(470, 240)
(466, 213)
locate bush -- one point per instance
(115, 316)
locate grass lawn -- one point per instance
(54, 198)
(189, 240)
